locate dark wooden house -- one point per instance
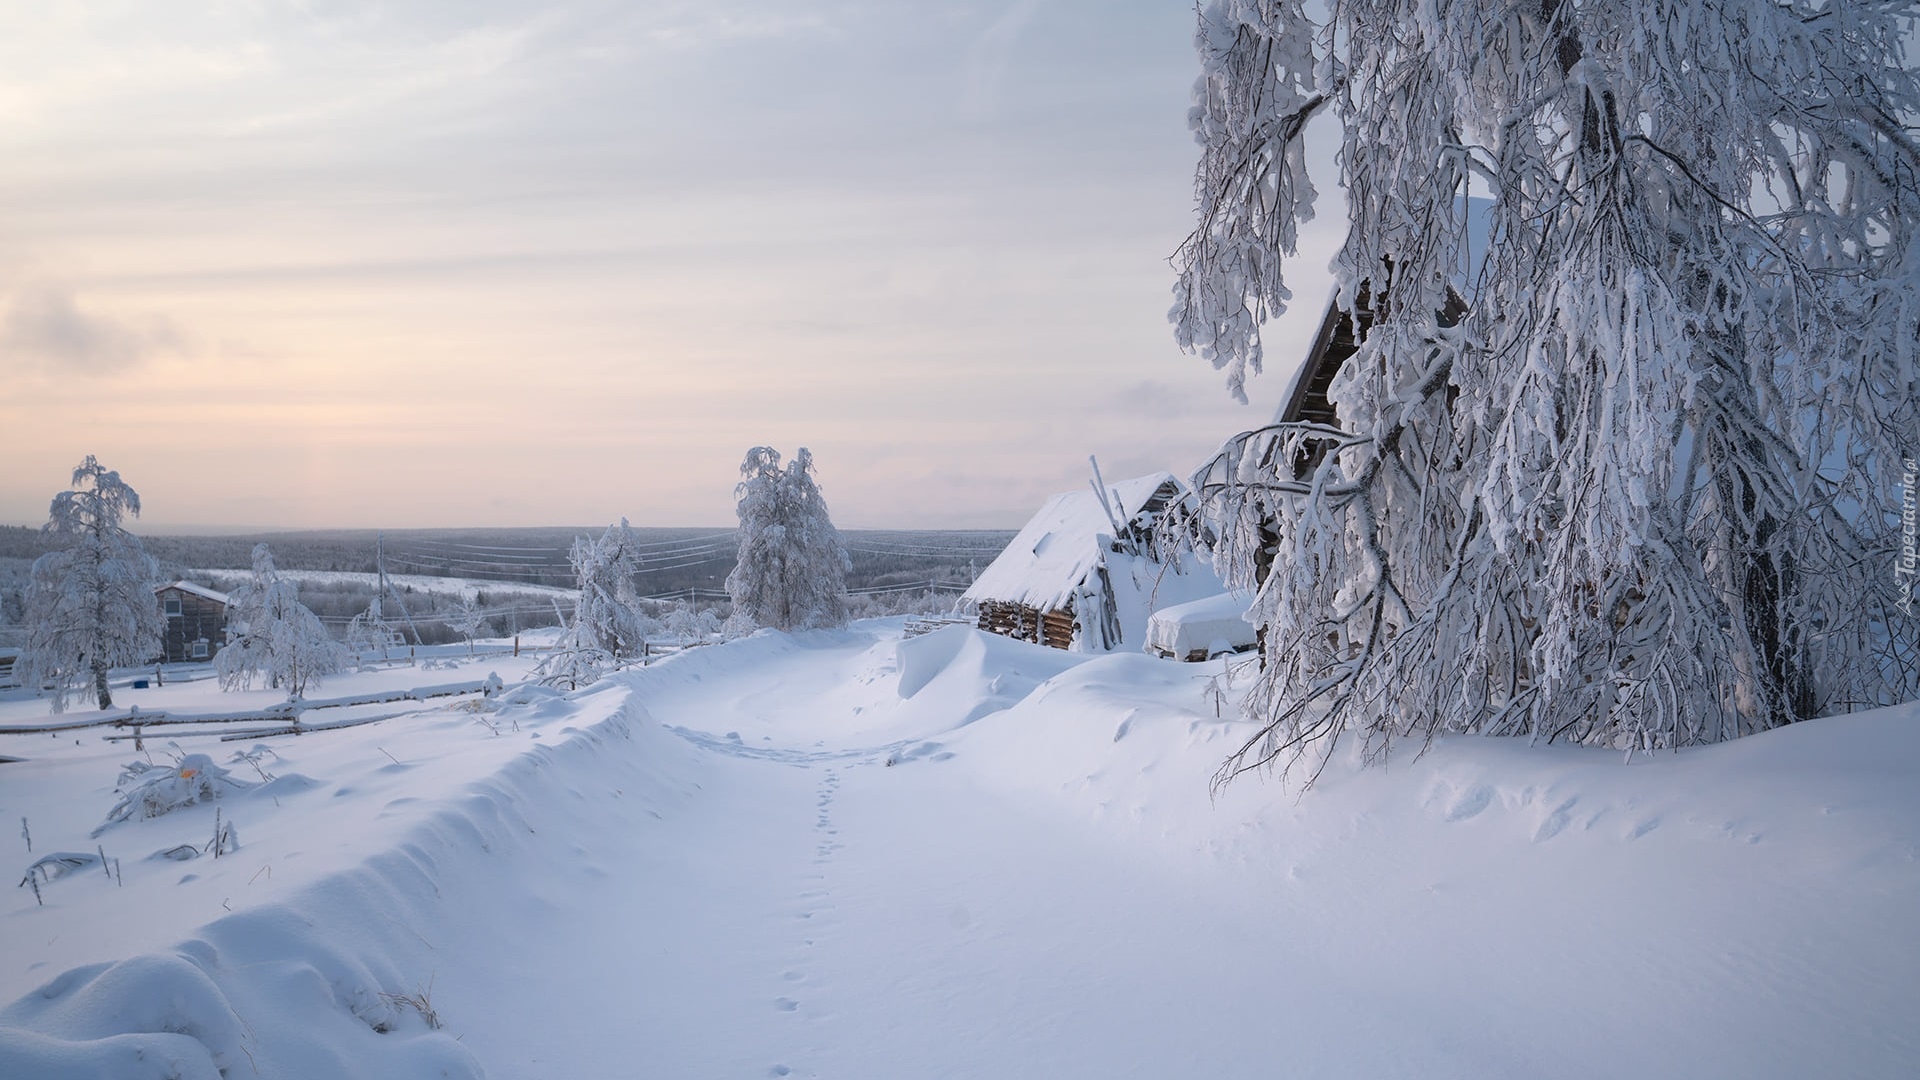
(1342, 331)
(196, 622)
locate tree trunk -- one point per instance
(100, 689)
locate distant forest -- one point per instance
(891, 568)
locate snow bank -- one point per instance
(337, 978)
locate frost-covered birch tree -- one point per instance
(1645, 492)
(608, 623)
(90, 605)
(792, 569)
(609, 615)
(281, 639)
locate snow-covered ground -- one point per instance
(426, 583)
(847, 855)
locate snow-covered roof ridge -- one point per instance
(1059, 546)
(198, 590)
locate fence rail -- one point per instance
(286, 712)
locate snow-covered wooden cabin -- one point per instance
(196, 621)
(1067, 580)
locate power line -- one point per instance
(926, 552)
(486, 547)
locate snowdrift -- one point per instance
(338, 978)
(841, 854)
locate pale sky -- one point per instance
(490, 262)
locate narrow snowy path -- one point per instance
(796, 906)
(825, 915)
(800, 908)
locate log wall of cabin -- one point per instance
(199, 618)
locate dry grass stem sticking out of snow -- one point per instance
(420, 1002)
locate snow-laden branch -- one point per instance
(1645, 491)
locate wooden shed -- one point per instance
(196, 621)
(1069, 582)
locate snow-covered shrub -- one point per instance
(58, 864)
(279, 637)
(571, 666)
(900, 602)
(792, 570)
(686, 625)
(148, 790)
(368, 635)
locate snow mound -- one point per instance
(970, 663)
(151, 1008)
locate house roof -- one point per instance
(1056, 550)
(1307, 385)
(198, 590)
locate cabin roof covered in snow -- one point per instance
(1056, 550)
(198, 590)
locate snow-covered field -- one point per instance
(841, 854)
(457, 587)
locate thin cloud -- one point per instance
(46, 326)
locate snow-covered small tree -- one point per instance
(472, 621)
(609, 615)
(368, 633)
(1644, 491)
(279, 638)
(90, 604)
(608, 624)
(791, 573)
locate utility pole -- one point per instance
(386, 585)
